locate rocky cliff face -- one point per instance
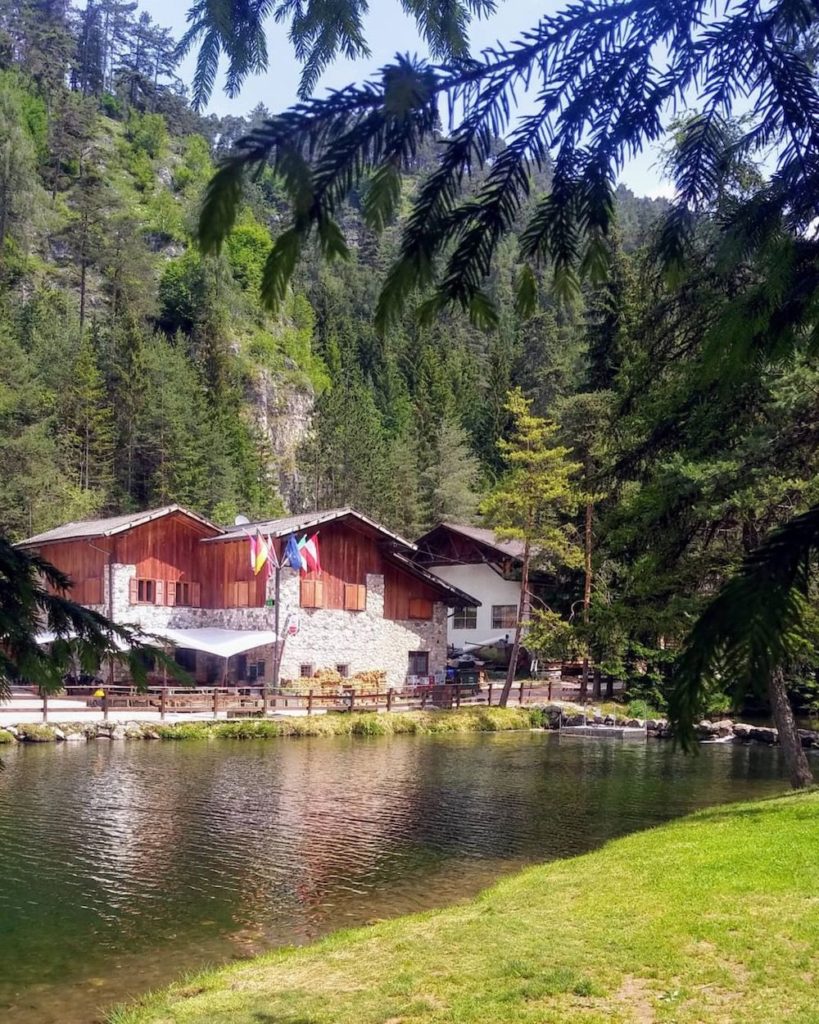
(283, 411)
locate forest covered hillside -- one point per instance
(136, 371)
(133, 371)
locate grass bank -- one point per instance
(415, 723)
(714, 918)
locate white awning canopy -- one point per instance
(223, 643)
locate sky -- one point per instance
(388, 31)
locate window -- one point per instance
(312, 593)
(465, 618)
(183, 593)
(420, 608)
(146, 591)
(419, 663)
(306, 671)
(343, 671)
(504, 616)
(255, 671)
(355, 597)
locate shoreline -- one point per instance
(723, 929)
(547, 717)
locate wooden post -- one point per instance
(45, 706)
(520, 695)
(215, 702)
(163, 703)
(310, 703)
(457, 695)
(352, 698)
(389, 699)
(105, 693)
(489, 698)
(424, 697)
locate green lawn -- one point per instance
(714, 918)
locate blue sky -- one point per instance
(388, 31)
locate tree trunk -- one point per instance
(587, 585)
(795, 758)
(523, 607)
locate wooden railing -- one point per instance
(244, 701)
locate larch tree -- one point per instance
(533, 502)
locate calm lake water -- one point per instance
(122, 865)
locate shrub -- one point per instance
(33, 733)
(6, 736)
(640, 709)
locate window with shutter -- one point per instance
(170, 593)
(355, 597)
(196, 595)
(420, 608)
(242, 594)
(133, 591)
(159, 591)
(312, 594)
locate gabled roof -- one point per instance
(109, 526)
(307, 521)
(479, 534)
(455, 597)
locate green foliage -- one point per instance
(148, 134)
(247, 249)
(550, 637)
(420, 723)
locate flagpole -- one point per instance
(277, 623)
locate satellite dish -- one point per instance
(241, 521)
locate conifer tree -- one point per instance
(87, 427)
(532, 502)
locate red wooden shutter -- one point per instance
(242, 594)
(196, 593)
(133, 591)
(170, 592)
(159, 591)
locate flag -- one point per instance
(261, 552)
(272, 560)
(252, 551)
(292, 557)
(310, 554)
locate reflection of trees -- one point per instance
(135, 845)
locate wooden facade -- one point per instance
(180, 559)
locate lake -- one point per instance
(126, 864)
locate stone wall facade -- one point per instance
(324, 637)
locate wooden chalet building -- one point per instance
(173, 573)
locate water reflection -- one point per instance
(124, 864)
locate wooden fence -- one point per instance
(242, 702)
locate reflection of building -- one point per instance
(370, 607)
(472, 559)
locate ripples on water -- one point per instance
(125, 864)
